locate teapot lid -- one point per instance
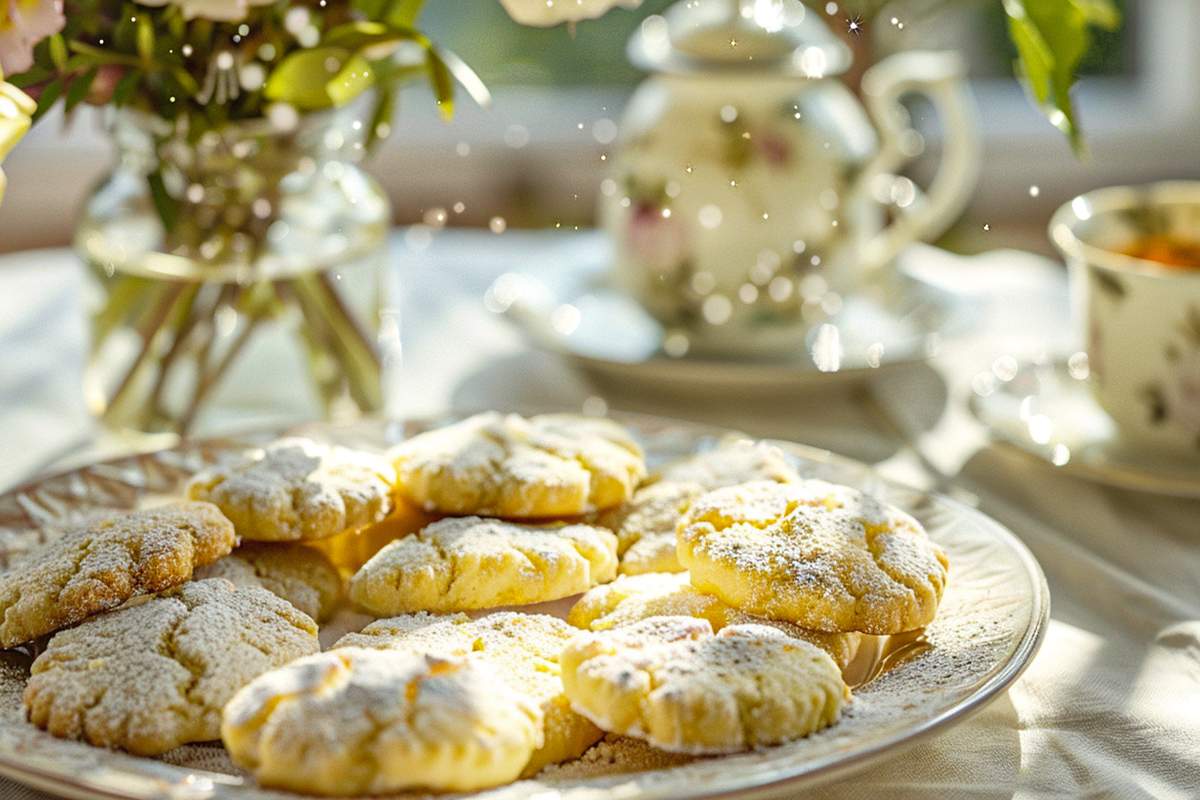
(777, 36)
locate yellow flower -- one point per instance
(16, 110)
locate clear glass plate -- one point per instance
(992, 619)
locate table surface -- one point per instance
(1110, 707)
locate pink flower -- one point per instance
(774, 149)
(656, 242)
(24, 23)
(544, 13)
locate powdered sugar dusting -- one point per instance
(735, 460)
(986, 628)
(298, 489)
(524, 649)
(824, 556)
(672, 682)
(633, 598)
(104, 562)
(463, 563)
(152, 676)
(304, 576)
(509, 466)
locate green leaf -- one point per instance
(101, 55)
(125, 88)
(1051, 38)
(58, 51)
(48, 98)
(79, 88)
(394, 12)
(302, 79)
(354, 78)
(1101, 13)
(382, 113)
(186, 82)
(166, 206)
(145, 38)
(467, 77)
(362, 34)
(403, 12)
(442, 81)
(34, 75)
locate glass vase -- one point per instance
(236, 278)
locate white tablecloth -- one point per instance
(1110, 707)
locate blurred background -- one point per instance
(536, 156)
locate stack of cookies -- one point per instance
(718, 603)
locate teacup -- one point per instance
(1139, 313)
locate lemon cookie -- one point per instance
(351, 549)
(823, 556)
(353, 721)
(298, 489)
(100, 564)
(524, 650)
(673, 683)
(465, 563)
(733, 461)
(303, 576)
(152, 676)
(645, 526)
(552, 465)
(633, 598)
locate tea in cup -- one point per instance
(1134, 255)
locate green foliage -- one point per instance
(1052, 37)
(155, 59)
(303, 78)
(121, 53)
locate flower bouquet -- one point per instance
(236, 218)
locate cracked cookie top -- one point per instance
(491, 464)
(523, 648)
(645, 526)
(824, 556)
(156, 674)
(353, 721)
(304, 576)
(105, 561)
(673, 683)
(733, 461)
(633, 598)
(298, 489)
(467, 563)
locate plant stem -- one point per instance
(209, 380)
(148, 333)
(347, 345)
(187, 321)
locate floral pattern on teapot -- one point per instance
(707, 223)
(745, 202)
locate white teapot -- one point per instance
(750, 190)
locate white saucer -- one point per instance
(1046, 410)
(572, 310)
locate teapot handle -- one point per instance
(940, 76)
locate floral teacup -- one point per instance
(1140, 317)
